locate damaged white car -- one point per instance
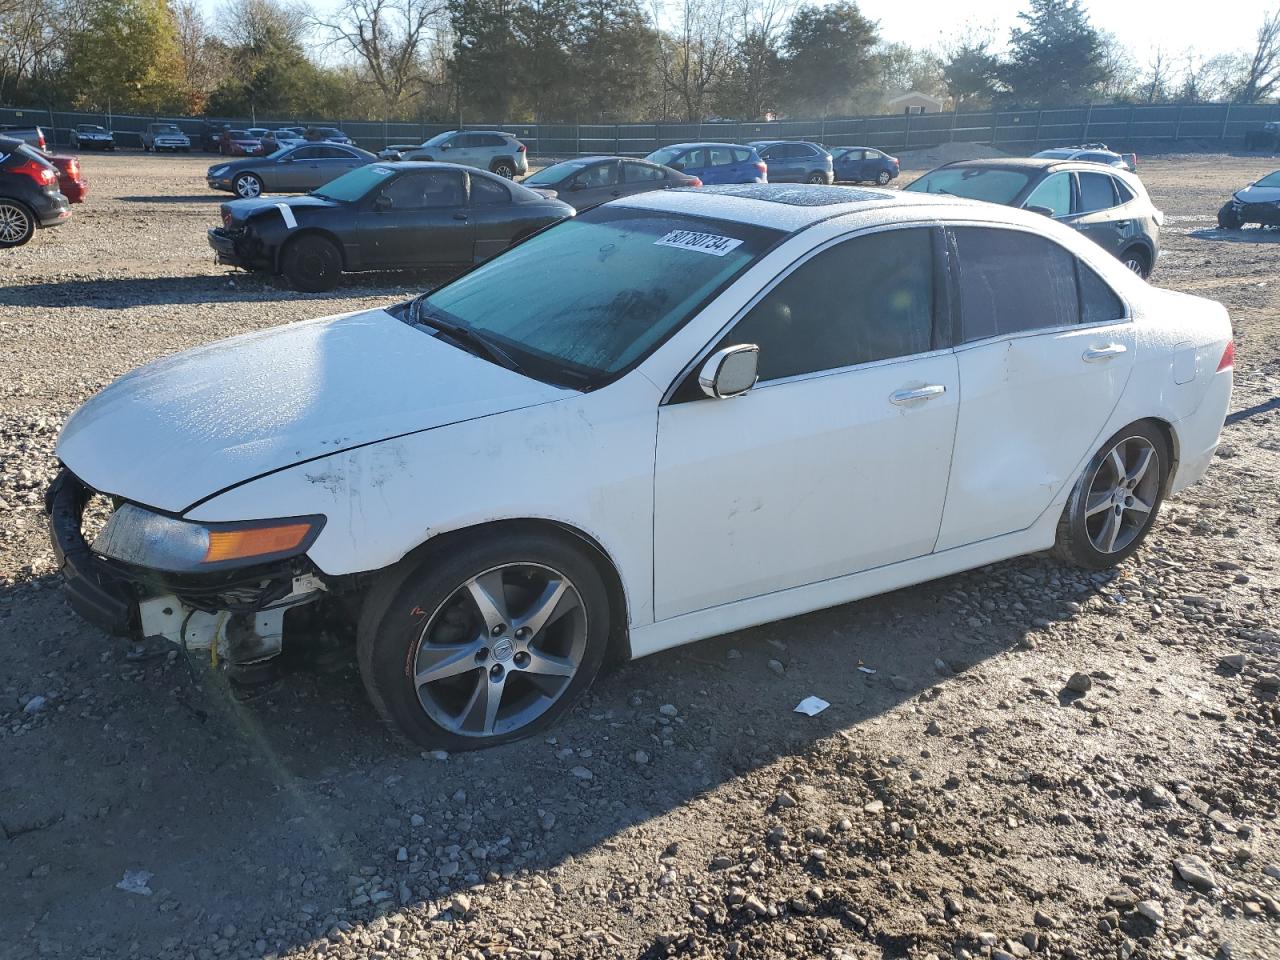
(674, 416)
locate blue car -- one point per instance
(864, 165)
(714, 163)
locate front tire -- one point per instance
(1116, 501)
(312, 264)
(17, 223)
(248, 186)
(487, 642)
(1229, 218)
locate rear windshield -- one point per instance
(625, 280)
(354, 185)
(1055, 154)
(1270, 180)
(553, 174)
(665, 155)
(976, 183)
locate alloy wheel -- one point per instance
(500, 650)
(1122, 493)
(248, 187)
(505, 170)
(1136, 264)
(882, 177)
(14, 223)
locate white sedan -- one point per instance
(674, 416)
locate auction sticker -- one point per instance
(695, 240)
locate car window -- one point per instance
(1096, 192)
(694, 158)
(425, 190)
(1097, 157)
(1123, 192)
(1011, 281)
(721, 156)
(857, 154)
(976, 183)
(741, 156)
(636, 172)
(869, 298)
(665, 155)
(493, 140)
(486, 192)
(355, 183)
(552, 174)
(1098, 302)
(332, 153)
(598, 175)
(1054, 193)
(306, 153)
(1270, 180)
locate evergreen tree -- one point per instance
(1057, 58)
(830, 57)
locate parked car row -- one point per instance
(30, 197)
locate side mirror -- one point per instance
(1043, 211)
(730, 372)
(446, 146)
(676, 166)
(382, 202)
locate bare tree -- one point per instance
(389, 41)
(1262, 74)
(1156, 80)
(203, 63)
(1205, 80)
(31, 37)
(695, 53)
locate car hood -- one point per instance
(172, 433)
(1256, 194)
(236, 212)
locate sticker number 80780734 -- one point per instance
(702, 242)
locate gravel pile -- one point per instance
(1023, 761)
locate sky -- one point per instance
(1141, 25)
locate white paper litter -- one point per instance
(866, 670)
(811, 706)
(135, 881)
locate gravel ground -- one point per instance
(1043, 763)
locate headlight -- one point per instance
(218, 171)
(137, 536)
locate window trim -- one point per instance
(957, 313)
(1079, 192)
(943, 314)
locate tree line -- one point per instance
(577, 60)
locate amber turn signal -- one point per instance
(254, 541)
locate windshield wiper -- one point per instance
(468, 336)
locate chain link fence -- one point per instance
(1124, 127)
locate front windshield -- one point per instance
(665, 155)
(91, 128)
(167, 129)
(1270, 180)
(624, 281)
(552, 174)
(975, 183)
(438, 139)
(355, 184)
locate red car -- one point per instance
(239, 143)
(71, 181)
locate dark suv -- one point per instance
(29, 195)
(795, 161)
(1108, 205)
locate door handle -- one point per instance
(460, 216)
(617, 193)
(1122, 224)
(1098, 354)
(918, 393)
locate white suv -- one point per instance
(491, 150)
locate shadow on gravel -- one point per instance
(183, 198)
(1247, 235)
(1258, 408)
(278, 816)
(118, 293)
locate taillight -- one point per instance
(762, 168)
(226, 218)
(892, 159)
(40, 142)
(73, 169)
(521, 148)
(696, 182)
(1228, 357)
(38, 172)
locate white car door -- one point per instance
(1045, 349)
(837, 460)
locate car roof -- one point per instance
(702, 143)
(770, 143)
(787, 207)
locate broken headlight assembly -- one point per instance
(144, 538)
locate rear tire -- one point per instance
(17, 223)
(312, 264)
(1137, 261)
(816, 178)
(504, 168)
(883, 177)
(1111, 510)
(426, 616)
(1228, 219)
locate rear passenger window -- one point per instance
(741, 156)
(634, 172)
(1011, 281)
(869, 298)
(485, 192)
(1123, 193)
(1098, 302)
(1096, 192)
(721, 156)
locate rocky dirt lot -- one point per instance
(1034, 762)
